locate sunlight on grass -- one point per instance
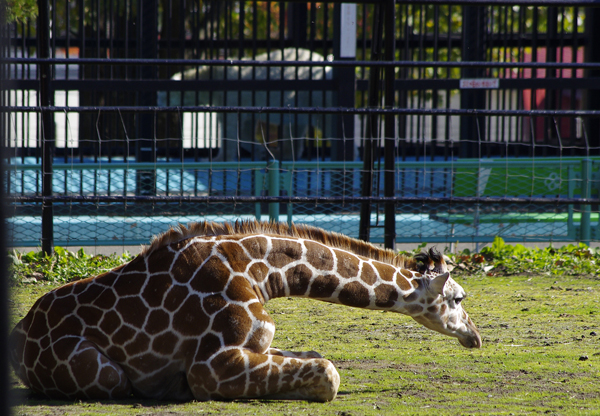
(539, 321)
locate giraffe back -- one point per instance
(166, 319)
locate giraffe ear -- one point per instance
(437, 283)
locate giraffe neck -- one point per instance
(288, 266)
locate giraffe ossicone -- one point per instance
(185, 320)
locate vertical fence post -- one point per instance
(592, 54)
(47, 128)
(4, 291)
(586, 193)
(389, 234)
(371, 141)
(297, 16)
(147, 48)
(274, 184)
(473, 49)
(345, 78)
(5, 393)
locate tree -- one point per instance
(20, 10)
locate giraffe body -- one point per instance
(185, 319)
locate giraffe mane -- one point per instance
(422, 262)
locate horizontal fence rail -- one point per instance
(100, 199)
(315, 110)
(293, 64)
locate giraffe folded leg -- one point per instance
(293, 354)
(81, 371)
(239, 373)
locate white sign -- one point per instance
(348, 31)
(480, 83)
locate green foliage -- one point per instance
(63, 266)
(497, 259)
(20, 10)
(505, 259)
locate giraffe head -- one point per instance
(442, 299)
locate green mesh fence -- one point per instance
(434, 200)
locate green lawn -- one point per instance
(541, 354)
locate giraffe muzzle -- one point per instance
(472, 338)
(471, 342)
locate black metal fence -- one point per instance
(171, 108)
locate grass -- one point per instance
(541, 352)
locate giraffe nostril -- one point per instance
(471, 341)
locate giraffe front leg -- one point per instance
(293, 354)
(239, 373)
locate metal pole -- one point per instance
(473, 49)
(47, 130)
(389, 238)
(364, 228)
(274, 185)
(147, 48)
(586, 192)
(4, 292)
(592, 54)
(345, 78)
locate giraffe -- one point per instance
(184, 320)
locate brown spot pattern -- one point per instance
(213, 303)
(110, 322)
(157, 322)
(237, 259)
(141, 342)
(165, 344)
(318, 256)
(137, 321)
(132, 310)
(162, 260)
(355, 294)
(239, 289)
(298, 279)
(96, 336)
(258, 271)
(386, 272)
(71, 325)
(90, 314)
(83, 367)
(128, 285)
(256, 246)
(274, 285)
(323, 286)
(189, 259)
(414, 309)
(106, 299)
(368, 274)
(347, 264)
(236, 320)
(385, 296)
(156, 288)
(402, 283)
(211, 277)
(411, 297)
(124, 334)
(175, 297)
(283, 253)
(189, 319)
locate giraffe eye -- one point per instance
(458, 300)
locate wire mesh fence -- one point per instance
(530, 199)
(390, 121)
